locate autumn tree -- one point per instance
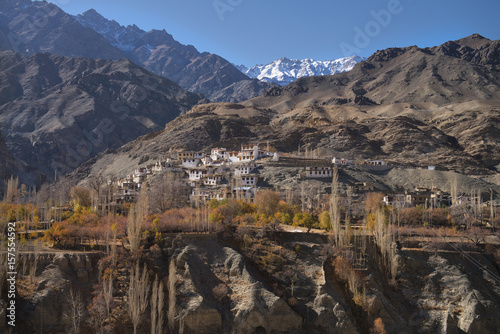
(378, 327)
(325, 221)
(81, 196)
(267, 202)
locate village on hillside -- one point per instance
(225, 174)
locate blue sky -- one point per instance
(250, 32)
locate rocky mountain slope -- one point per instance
(159, 52)
(409, 106)
(10, 166)
(30, 27)
(285, 71)
(56, 112)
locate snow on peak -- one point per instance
(284, 71)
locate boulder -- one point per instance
(200, 318)
(82, 275)
(234, 262)
(48, 304)
(328, 313)
(260, 309)
(61, 260)
(88, 263)
(77, 262)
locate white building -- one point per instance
(318, 172)
(212, 180)
(244, 169)
(248, 180)
(375, 163)
(218, 153)
(196, 174)
(337, 161)
(198, 155)
(141, 174)
(190, 162)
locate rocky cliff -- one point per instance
(212, 287)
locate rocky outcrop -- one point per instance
(332, 317)
(258, 308)
(56, 274)
(253, 306)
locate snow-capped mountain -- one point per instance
(284, 71)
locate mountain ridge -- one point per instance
(37, 27)
(284, 71)
(159, 52)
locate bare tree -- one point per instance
(114, 230)
(36, 255)
(168, 191)
(157, 303)
(492, 212)
(138, 213)
(334, 206)
(107, 292)
(138, 293)
(95, 182)
(476, 234)
(172, 280)
(74, 310)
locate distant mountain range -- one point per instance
(285, 71)
(159, 52)
(91, 35)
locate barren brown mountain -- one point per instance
(57, 112)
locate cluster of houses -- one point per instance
(222, 174)
(227, 174)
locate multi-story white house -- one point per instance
(244, 169)
(248, 180)
(141, 174)
(318, 172)
(191, 162)
(218, 154)
(212, 180)
(196, 174)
